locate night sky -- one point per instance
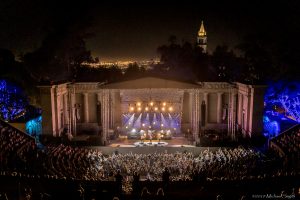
(131, 30)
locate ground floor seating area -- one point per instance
(60, 171)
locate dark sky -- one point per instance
(131, 30)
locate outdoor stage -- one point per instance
(150, 150)
(174, 142)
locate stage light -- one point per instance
(143, 124)
(162, 124)
(139, 108)
(153, 122)
(164, 103)
(129, 123)
(163, 108)
(170, 108)
(146, 108)
(126, 127)
(131, 108)
(133, 130)
(156, 108)
(151, 103)
(138, 104)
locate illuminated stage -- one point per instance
(150, 144)
(174, 142)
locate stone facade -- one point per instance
(97, 107)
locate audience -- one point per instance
(20, 157)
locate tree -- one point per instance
(224, 62)
(184, 61)
(132, 71)
(63, 49)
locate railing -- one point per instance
(5, 124)
(288, 130)
(273, 144)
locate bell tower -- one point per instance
(202, 38)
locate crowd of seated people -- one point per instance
(288, 143)
(19, 156)
(91, 164)
(18, 150)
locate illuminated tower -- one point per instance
(202, 38)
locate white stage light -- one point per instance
(138, 104)
(133, 130)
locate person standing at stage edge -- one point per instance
(119, 179)
(166, 178)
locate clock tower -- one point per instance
(202, 38)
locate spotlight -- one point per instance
(164, 103)
(153, 122)
(146, 108)
(163, 108)
(170, 108)
(126, 127)
(131, 108)
(133, 130)
(138, 104)
(162, 124)
(143, 124)
(151, 103)
(139, 108)
(156, 108)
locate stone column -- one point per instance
(219, 108)
(205, 98)
(65, 104)
(250, 111)
(54, 110)
(103, 97)
(233, 113)
(100, 99)
(197, 115)
(240, 109)
(74, 120)
(191, 98)
(86, 107)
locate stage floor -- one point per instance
(174, 142)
